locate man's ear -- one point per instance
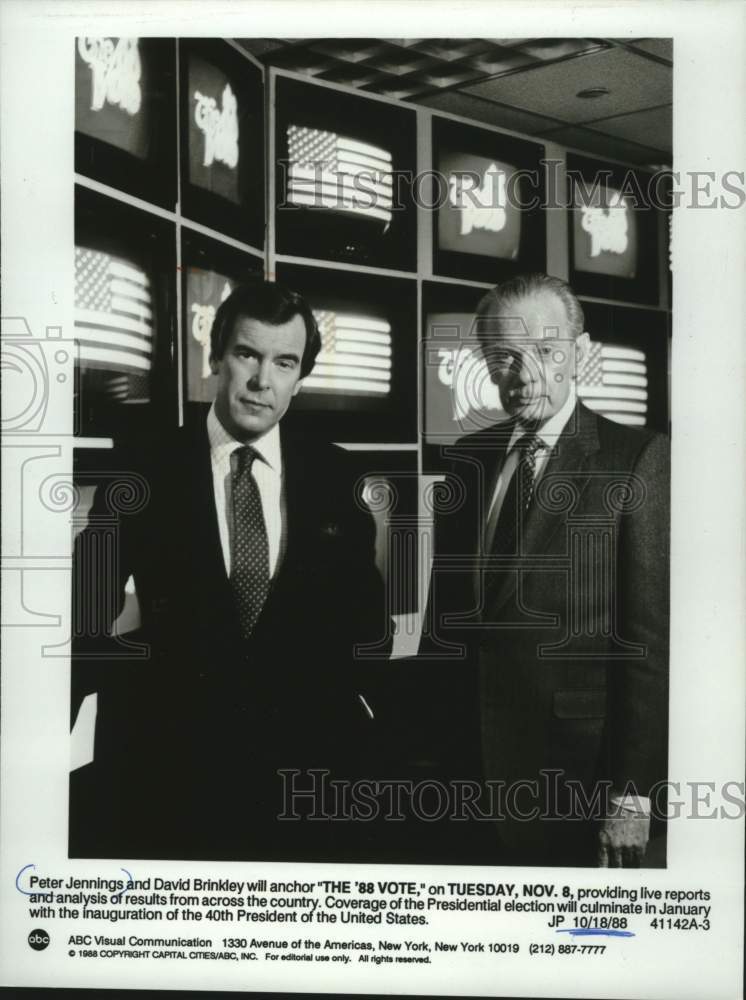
(214, 365)
(582, 349)
(298, 386)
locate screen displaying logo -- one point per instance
(336, 172)
(460, 396)
(205, 291)
(478, 217)
(110, 99)
(218, 121)
(115, 72)
(214, 135)
(605, 234)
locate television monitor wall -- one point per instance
(338, 157)
(478, 217)
(605, 235)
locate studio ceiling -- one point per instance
(529, 85)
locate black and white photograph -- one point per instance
(371, 473)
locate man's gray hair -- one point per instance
(507, 293)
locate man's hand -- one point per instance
(623, 839)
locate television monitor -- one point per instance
(345, 167)
(626, 374)
(363, 387)
(222, 139)
(210, 270)
(490, 188)
(613, 232)
(125, 115)
(123, 320)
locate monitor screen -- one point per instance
(339, 174)
(213, 130)
(490, 192)
(460, 396)
(363, 387)
(111, 83)
(355, 357)
(114, 327)
(605, 234)
(614, 382)
(339, 158)
(124, 318)
(210, 271)
(613, 232)
(125, 115)
(205, 290)
(626, 374)
(221, 104)
(478, 217)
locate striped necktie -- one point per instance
(249, 544)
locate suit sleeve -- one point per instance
(640, 686)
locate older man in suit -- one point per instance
(254, 567)
(551, 580)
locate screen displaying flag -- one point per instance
(332, 171)
(113, 319)
(355, 356)
(614, 383)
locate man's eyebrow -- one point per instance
(288, 356)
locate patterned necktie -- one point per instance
(518, 495)
(249, 544)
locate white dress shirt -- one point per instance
(267, 473)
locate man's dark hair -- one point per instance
(267, 302)
(522, 286)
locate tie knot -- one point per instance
(243, 458)
(529, 444)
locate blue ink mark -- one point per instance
(592, 932)
(19, 875)
(127, 888)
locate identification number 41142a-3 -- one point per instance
(680, 924)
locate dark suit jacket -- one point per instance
(564, 646)
(190, 734)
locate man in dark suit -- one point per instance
(253, 563)
(551, 583)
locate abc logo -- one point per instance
(38, 940)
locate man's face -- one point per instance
(533, 356)
(258, 375)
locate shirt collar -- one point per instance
(223, 444)
(550, 432)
